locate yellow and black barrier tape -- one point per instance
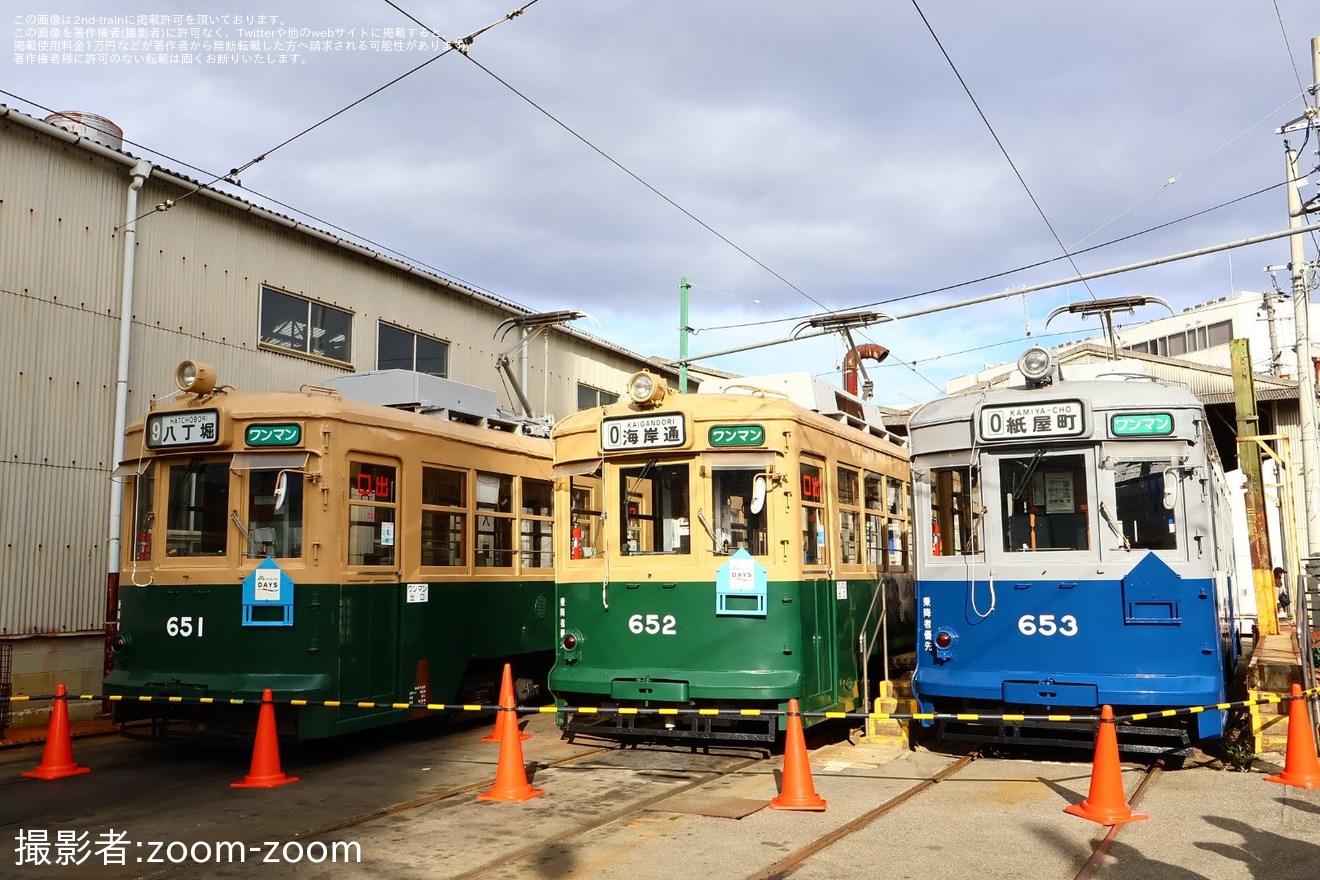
(1003, 717)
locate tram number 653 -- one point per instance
(1046, 625)
(653, 624)
(183, 627)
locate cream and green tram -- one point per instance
(331, 550)
(731, 549)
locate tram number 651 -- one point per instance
(1045, 625)
(653, 624)
(183, 627)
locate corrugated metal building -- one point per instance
(271, 302)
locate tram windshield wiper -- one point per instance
(1028, 473)
(1113, 526)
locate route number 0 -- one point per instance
(1045, 625)
(651, 624)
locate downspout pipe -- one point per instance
(141, 171)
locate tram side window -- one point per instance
(197, 511)
(372, 515)
(850, 518)
(954, 526)
(272, 531)
(1139, 505)
(1045, 503)
(813, 516)
(655, 508)
(537, 545)
(585, 532)
(888, 534)
(144, 512)
(444, 517)
(494, 521)
(736, 527)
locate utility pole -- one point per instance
(1268, 305)
(1302, 317)
(683, 330)
(1248, 426)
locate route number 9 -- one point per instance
(1045, 625)
(651, 624)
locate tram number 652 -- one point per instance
(183, 627)
(653, 624)
(1046, 625)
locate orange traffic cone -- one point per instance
(1300, 767)
(1105, 803)
(502, 717)
(798, 792)
(57, 759)
(265, 772)
(511, 783)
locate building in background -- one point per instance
(272, 302)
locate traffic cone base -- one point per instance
(265, 772)
(797, 790)
(1301, 769)
(511, 785)
(502, 718)
(1106, 803)
(57, 758)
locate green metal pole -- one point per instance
(683, 329)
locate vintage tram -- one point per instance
(731, 550)
(331, 550)
(1074, 551)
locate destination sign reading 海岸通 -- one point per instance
(643, 432)
(1056, 418)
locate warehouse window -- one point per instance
(589, 397)
(398, 349)
(305, 326)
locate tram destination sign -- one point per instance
(1028, 421)
(197, 428)
(658, 431)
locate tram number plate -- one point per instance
(653, 624)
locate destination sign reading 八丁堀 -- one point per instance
(1057, 418)
(643, 432)
(200, 428)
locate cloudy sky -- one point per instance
(787, 158)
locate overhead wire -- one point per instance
(1000, 144)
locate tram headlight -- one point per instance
(645, 389)
(119, 643)
(1038, 366)
(194, 377)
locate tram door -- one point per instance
(817, 590)
(369, 613)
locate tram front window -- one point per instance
(1139, 505)
(274, 519)
(736, 526)
(655, 509)
(1045, 504)
(197, 508)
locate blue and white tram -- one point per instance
(1077, 554)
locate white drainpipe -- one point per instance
(140, 172)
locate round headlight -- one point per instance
(645, 389)
(1035, 364)
(118, 643)
(194, 377)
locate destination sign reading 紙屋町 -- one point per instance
(643, 432)
(1055, 418)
